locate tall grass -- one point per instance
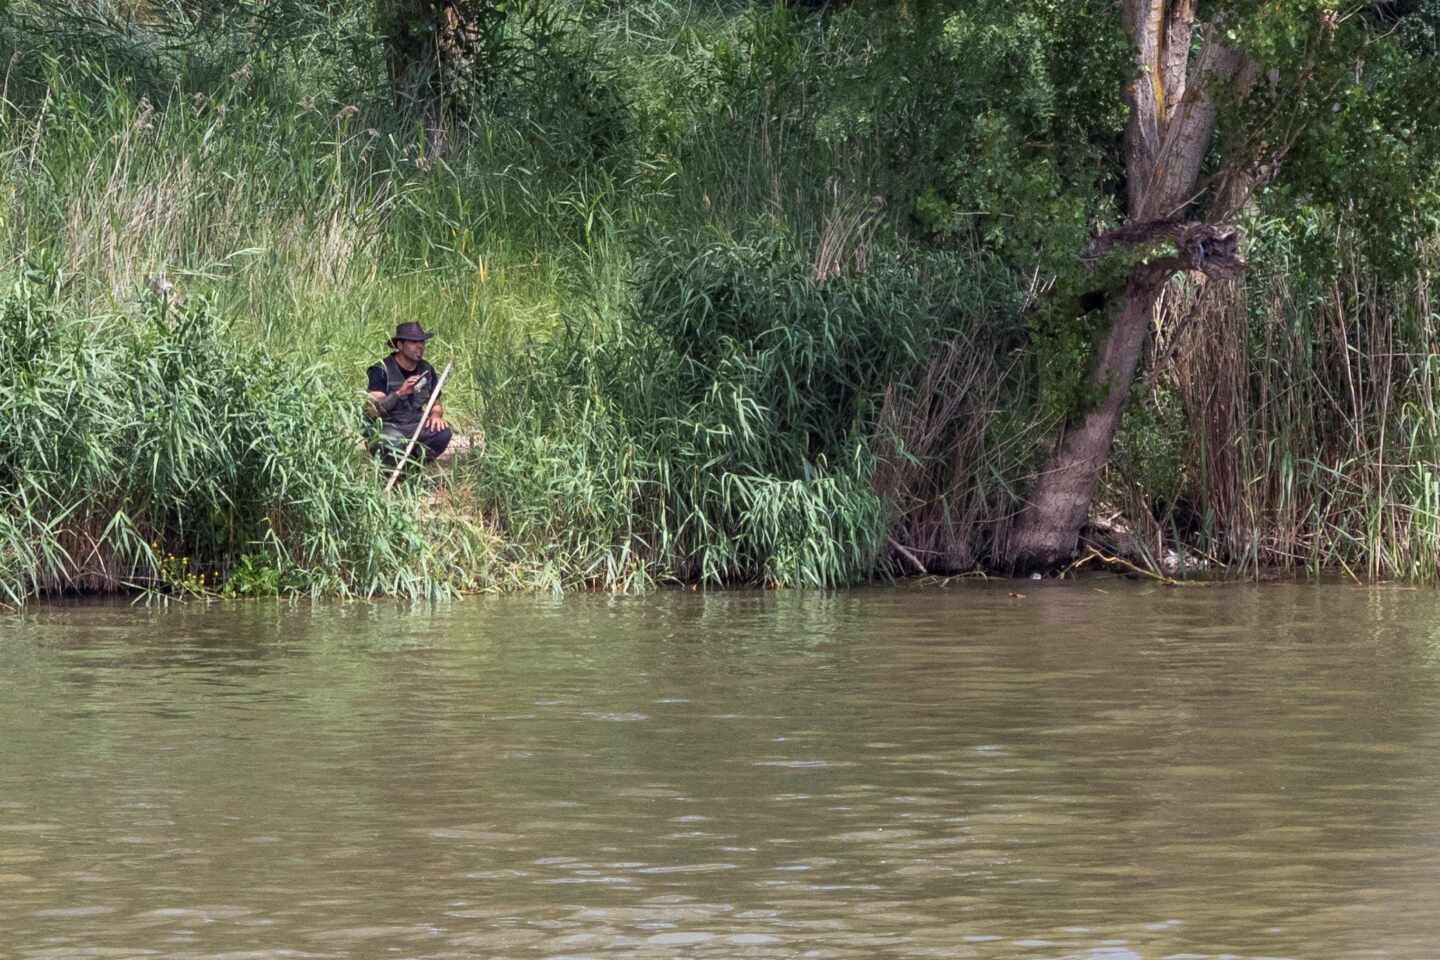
(309, 223)
(633, 435)
(730, 424)
(1311, 396)
(134, 441)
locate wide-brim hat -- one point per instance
(410, 331)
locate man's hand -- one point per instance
(436, 422)
(408, 387)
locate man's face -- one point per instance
(411, 350)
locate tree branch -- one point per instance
(1207, 248)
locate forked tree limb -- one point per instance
(1207, 248)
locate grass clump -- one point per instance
(725, 426)
(135, 440)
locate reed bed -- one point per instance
(144, 452)
(1310, 397)
(746, 420)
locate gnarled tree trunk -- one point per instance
(1171, 126)
(425, 52)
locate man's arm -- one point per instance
(375, 391)
(377, 401)
(437, 417)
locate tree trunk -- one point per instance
(1171, 126)
(424, 48)
(1049, 528)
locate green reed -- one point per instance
(628, 434)
(727, 425)
(145, 452)
(692, 342)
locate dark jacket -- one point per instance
(401, 414)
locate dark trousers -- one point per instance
(430, 445)
(434, 442)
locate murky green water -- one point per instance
(1098, 771)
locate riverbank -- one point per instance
(730, 303)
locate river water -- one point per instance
(1092, 770)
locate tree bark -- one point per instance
(425, 43)
(1049, 528)
(1171, 126)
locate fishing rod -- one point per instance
(434, 395)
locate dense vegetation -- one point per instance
(737, 292)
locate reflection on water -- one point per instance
(1097, 771)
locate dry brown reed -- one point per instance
(932, 444)
(1314, 419)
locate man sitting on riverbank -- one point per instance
(399, 388)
